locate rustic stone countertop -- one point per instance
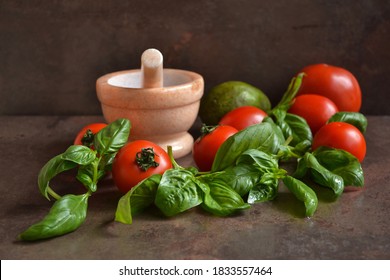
(356, 226)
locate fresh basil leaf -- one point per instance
(328, 179)
(86, 175)
(303, 193)
(293, 126)
(278, 131)
(355, 118)
(75, 155)
(112, 137)
(266, 189)
(300, 130)
(66, 215)
(279, 115)
(86, 180)
(193, 170)
(137, 199)
(263, 162)
(106, 162)
(178, 191)
(288, 97)
(341, 163)
(301, 148)
(287, 152)
(266, 186)
(259, 136)
(323, 176)
(79, 154)
(219, 199)
(52, 168)
(252, 167)
(240, 178)
(302, 167)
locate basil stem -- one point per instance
(69, 211)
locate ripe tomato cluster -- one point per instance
(325, 91)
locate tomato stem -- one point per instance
(146, 159)
(87, 139)
(206, 129)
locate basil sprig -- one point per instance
(69, 211)
(292, 126)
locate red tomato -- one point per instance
(342, 136)
(86, 134)
(137, 161)
(315, 109)
(243, 116)
(207, 145)
(338, 84)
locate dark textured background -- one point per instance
(52, 52)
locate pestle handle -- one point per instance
(151, 69)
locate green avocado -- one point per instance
(229, 95)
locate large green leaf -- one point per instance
(355, 118)
(264, 190)
(137, 199)
(341, 163)
(178, 191)
(259, 136)
(113, 137)
(66, 215)
(53, 167)
(303, 193)
(319, 173)
(219, 198)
